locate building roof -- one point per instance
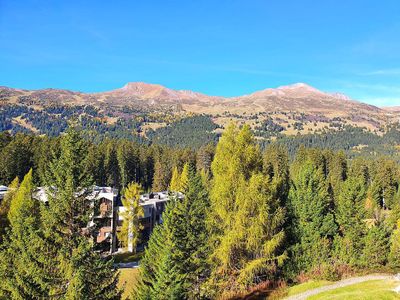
(155, 197)
(97, 192)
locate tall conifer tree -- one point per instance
(78, 272)
(350, 215)
(175, 262)
(246, 217)
(24, 265)
(313, 225)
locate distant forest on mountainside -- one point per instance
(193, 131)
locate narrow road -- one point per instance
(339, 284)
(128, 265)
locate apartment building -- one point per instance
(153, 206)
(106, 218)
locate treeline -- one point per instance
(256, 219)
(110, 162)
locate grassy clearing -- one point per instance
(309, 285)
(127, 280)
(370, 290)
(127, 257)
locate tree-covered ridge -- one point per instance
(194, 131)
(355, 141)
(125, 122)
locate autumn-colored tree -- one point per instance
(184, 178)
(246, 218)
(133, 212)
(175, 180)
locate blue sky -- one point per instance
(219, 47)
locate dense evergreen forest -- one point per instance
(250, 218)
(116, 161)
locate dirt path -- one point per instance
(339, 284)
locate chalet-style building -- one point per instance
(153, 206)
(106, 218)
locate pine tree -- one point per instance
(159, 277)
(5, 207)
(359, 168)
(337, 170)
(377, 247)
(373, 202)
(122, 163)
(111, 165)
(350, 217)
(16, 158)
(313, 222)
(204, 158)
(42, 157)
(78, 272)
(386, 182)
(175, 180)
(168, 281)
(175, 262)
(205, 179)
(147, 168)
(236, 158)
(94, 165)
(276, 166)
(188, 229)
(160, 179)
(24, 263)
(131, 226)
(149, 265)
(128, 162)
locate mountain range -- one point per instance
(298, 98)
